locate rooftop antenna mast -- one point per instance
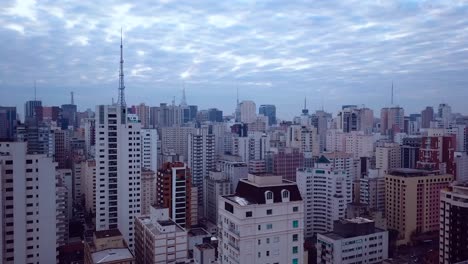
(72, 100)
(35, 98)
(121, 98)
(392, 94)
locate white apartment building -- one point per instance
(28, 206)
(253, 147)
(387, 157)
(304, 138)
(149, 149)
(372, 189)
(175, 140)
(248, 111)
(355, 240)
(201, 158)
(359, 144)
(148, 190)
(234, 171)
(335, 140)
(326, 191)
(158, 239)
(262, 222)
(453, 225)
(118, 170)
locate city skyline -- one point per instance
(213, 49)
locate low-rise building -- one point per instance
(107, 247)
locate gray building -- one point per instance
(268, 111)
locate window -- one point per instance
(268, 253)
(259, 254)
(269, 212)
(259, 241)
(268, 240)
(295, 250)
(269, 226)
(295, 237)
(269, 196)
(295, 261)
(285, 194)
(295, 209)
(259, 227)
(248, 214)
(295, 224)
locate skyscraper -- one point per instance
(268, 111)
(427, 115)
(247, 111)
(391, 120)
(30, 110)
(7, 123)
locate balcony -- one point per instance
(232, 244)
(234, 230)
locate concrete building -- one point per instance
(88, 169)
(216, 184)
(326, 192)
(159, 239)
(148, 190)
(453, 225)
(445, 114)
(412, 201)
(149, 149)
(359, 144)
(118, 170)
(7, 123)
(461, 162)
(427, 116)
(387, 157)
(175, 139)
(354, 240)
(143, 113)
(285, 161)
(392, 120)
(248, 111)
(201, 158)
(262, 221)
(174, 191)
(107, 247)
(28, 205)
(304, 138)
(204, 254)
(234, 171)
(438, 153)
(30, 111)
(62, 219)
(372, 190)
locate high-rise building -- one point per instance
(412, 201)
(445, 114)
(215, 115)
(30, 110)
(201, 158)
(166, 115)
(234, 171)
(118, 170)
(262, 221)
(174, 191)
(372, 190)
(391, 120)
(88, 171)
(461, 162)
(353, 240)
(69, 118)
(149, 150)
(438, 153)
(148, 190)
(303, 137)
(427, 116)
(62, 148)
(285, 161)
(268, 111)
(28, 229)
(349, 119)
(453, 224)
(387, 157)
(7, 123)
(216, 184)
(175, 139)
(366, 120)
(39, 138)
(247, 112)
(326, 192)
(143, 113)
(158, 239)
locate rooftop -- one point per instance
(107, 233)
(112, 255)
(146, 220)
(204, 246)
(404, 172)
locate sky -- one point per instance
(273, 52)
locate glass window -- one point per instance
(295, 224)
(294, 250)
(295, 209)
(269, 212)
(295, 261)
(269, 226)
(295, 237)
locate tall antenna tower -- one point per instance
(121, 98)
(72, 100)
(392, 94)
(184, 99)
(35, 98)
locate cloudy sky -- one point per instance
(335, 52)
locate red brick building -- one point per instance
(437, 153)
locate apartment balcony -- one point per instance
(234, 231)
(232, 244)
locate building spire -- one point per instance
(184, 99)
(72, 99)
(35, 98)
(392, 95)
(121, 98)
(305, 102)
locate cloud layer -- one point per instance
(338, 52)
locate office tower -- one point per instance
(409, 155)
(366, 120)
(437, 153)
(262, 221)
(28, 204)
(461, 136)
(387, 157)
(175, 139)
(216, 184)
(215, 115)
(118, 172)
(62, 148)
(268, 111)
(143, 113)
(445, 114)
(7, 123)
(167, 115)
(148, 190)
(321, 120)
(247, 111)
(90, 137)
(372, 190)
(158, 239)
(201, 158)
(39, 138)
(303, 137)
(69, 118)
(353, 240)
(335, 140)
(234, 171)
(30, 110)
(412, 201)
(349, 119)
(453, 225)
(218, 130)
(107, 247)
(88, 170)
(391, 120)
(149, 150)
(427, 116)
(252, 147)
(62, 219)
(64, 177)
(461, 163)
(173, 191)
(359, 144)
(259, 124)
(285, 161)
(326, 192)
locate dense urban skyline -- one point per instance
(333, 53)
